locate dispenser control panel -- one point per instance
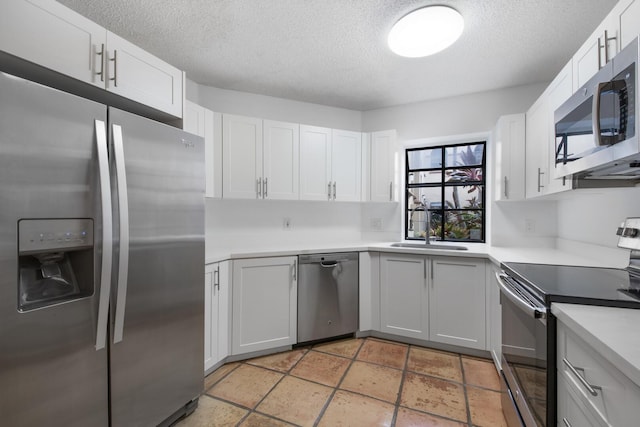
(42, 235)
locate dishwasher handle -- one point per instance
(328, 264)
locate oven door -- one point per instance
(524, 355)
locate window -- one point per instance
(447, 182)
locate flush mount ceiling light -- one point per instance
(425, 31)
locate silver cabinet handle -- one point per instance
(258, 188)
(566, 423)
(295, 270)
(265, 188)
(424, 264)
(431, 271)
(590, 388)
(540, 186)
(115, 68)
(107, 233)
(599, 54)
(101, 55)
(334, 190)
(123, 211)
(329, 190)
(607, 39)
(505, 188)
(391, 191)
(216, 279)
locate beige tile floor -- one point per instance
(354, 382)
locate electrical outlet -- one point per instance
(376, 224)
(529, 225)
(286, 223)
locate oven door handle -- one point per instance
(533, 311)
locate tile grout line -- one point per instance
(466, 396)
(335, 389)
(402, 380)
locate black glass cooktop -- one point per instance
(581, 285)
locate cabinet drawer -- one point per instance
(571, 410)
(597, 383)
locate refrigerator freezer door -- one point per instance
(50, 372)
(157, 367)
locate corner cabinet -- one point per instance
(381, 175)
(457, 308)
(207, 124)
(404, 295)
(216, 313)
(264, 303)
(509, 143)
(55, 37)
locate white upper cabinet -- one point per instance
(51, 35)
(382, 173)
(330, 164)
(136, 74)
(540, 138)
(346, 164)
(261, 159)
(315, 163)
(509, 143)
(242, 151)
(207, 124)
(615, 32)
(281, 151)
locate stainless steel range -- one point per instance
(529, 329)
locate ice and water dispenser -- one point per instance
(55, 258)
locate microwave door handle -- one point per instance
(596, 113)
(535, 312)
(123, 260)
(107, 230)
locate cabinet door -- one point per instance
(52, 35)
(194, 118)
(242, 151)
(571, 411)
(315, 163)
(281, 160)
(346, 164)
(495, 317)
(382, 174)
(627, 13)
(264, 303)
(205, 123)
(142, 77)
(457, 310)
(536, 142)
(222, 293)
(509, 137)
(209, 348)
(404, 300)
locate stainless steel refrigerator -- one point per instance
(101, 263)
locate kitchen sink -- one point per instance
(431, 246)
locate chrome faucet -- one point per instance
(427, 221)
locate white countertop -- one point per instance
(539, 255)
(612, 332)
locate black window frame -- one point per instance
(444, 184)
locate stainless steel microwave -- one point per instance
(596, 133)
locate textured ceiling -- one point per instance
(334, 52)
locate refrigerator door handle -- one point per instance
(123, 207)
(107, 232)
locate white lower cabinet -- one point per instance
(264, 304)
(591, 390)
(216, 313)
(457, 309)
(404, 295)
(494, 311)
(440, 299)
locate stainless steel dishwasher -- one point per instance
(327, 295)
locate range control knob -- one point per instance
(630, 232)
(619, 231)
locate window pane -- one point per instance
(426, 158)
(464, 155)
(416, 224)
(463, 225)
(463, 197)
(417, 197)
(425, 177)
(464, 174)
